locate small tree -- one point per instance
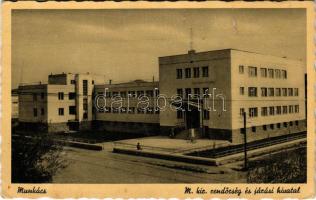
(36, 159)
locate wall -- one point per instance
(219, 79)
(295, 79)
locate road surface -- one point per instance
(86, 166)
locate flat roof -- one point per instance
(228, 49)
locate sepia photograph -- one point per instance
(160, 96)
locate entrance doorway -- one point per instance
(192, 118)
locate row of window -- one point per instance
(196, 72)
(35, 112)
(130, 110)
(272, 126)
(124, 94)
(264, 72)
(196, 92)
(271, 110)
(253, 92)
(72, 111)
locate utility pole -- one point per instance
(245, 141)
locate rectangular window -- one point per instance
(264, 111)
(252, 91)
(241, 90)
(291, 123)
(264, 127)
(115, 110)
(123, 94)
(278, 110)
(271, 126)
(42, 111)
(180, 92)
(284, 74)
(60, 111)
(253, 129)
(206, 114)
(284, 92)
(71, 95)
(131, 110)
(277, 73)
(285, 124)
(297, 109)
(253, 112)
(60, 95)
(277, 92)
(123, 110)
(149, 93)
(296, 123)
(264, 92)
(241, 111)
(296, 92)
(85, 87)
(271, 92)
(271, 110)
(187, 72)
(284, 108)
(278, 125)
(72, 82)
(34, 97)
(72, 110)
(263, 72)
(196, 92)
(187, 93)
(35, 112)
(241, 69)
(179, 114)
(196, 72)
(179, 73)
(291, 109)
(206, 92)
(205, 71)
(140, 93)
(85, 104)
(131, 93)
(252, 71)
(150, 110)
(290, 91)
(271, 73)
(42, 95)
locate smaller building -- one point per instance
(63, 104)
(127, 107)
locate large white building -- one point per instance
(212, 89)
(269, 89)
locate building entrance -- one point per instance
(192, 118)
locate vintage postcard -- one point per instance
(158, 100)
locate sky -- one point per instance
(124, 45)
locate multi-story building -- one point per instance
(63, 104)
(127, 107)
(205, 91)
(230, 82)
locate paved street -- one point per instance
(86, 166)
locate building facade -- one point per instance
(208, 92)
(64, 104)
(228, 83)
(127, 107)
